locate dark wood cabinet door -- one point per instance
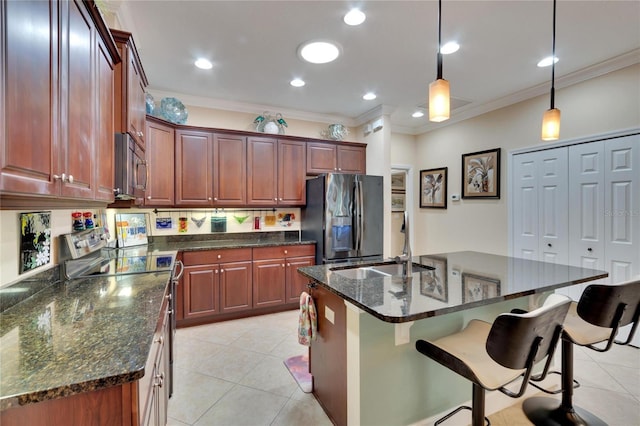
(292, 170)
(235, 286)
(268, 282)
(297, 283)
(194, 171)
(105, 143)
(29, 140)
(160, 154)
(78, 152)
(328, 354)
(201, 287)
(230, 172)
(352, 159)
(262, 172)
(136, 100)
(321, 158)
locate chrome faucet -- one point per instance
(405, 257)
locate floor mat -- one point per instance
(298, 366)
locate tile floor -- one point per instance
(232, 374)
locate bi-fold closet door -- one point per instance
(580, 204)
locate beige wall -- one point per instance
(603, 104)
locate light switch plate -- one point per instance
(455, 197)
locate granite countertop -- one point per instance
(59, 338)
(77, 336)
(459, 281)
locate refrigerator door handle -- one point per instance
(360, 216)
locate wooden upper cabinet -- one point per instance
(29, 78)
(321, 158)
(193, 168)
(131, 83)
(160, 155)
(78, 154)
(230, 173)
(292, 170)
(53, 88)
(335, 158)
(276, 172)
(262, 171)
(352, 159)
(105, 162)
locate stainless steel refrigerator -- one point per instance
(344, 215)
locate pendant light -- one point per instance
(551, 117)
(439, 90)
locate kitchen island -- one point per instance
(365, 366)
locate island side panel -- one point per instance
(398, 385)
(328, 355)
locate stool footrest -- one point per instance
(454, 412)
(576, 384)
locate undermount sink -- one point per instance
(362, 272)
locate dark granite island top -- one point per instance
(78, 336)
(460, 281)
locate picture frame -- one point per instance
(476, 288)
(398, 182)
(131, 229)
(481, 174)
(433, 188)
(398, 201)
(434, 283)
(35, 240)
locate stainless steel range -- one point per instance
(85, 255)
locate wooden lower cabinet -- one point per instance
(328, 354)
(275, 279)
(140, 403)
(223, 284)
(216, 281)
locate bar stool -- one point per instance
(594, 319)
(493, 355)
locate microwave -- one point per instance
(131, 168)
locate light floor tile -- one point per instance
(301, 413)
(271, 375)
(231, 364)
(243, 406)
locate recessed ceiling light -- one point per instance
(203, 64)
(546, 62)
(449, 48)
(296, 82)
(417, 114)
(354, 17)
(369, 96)
(319, 52)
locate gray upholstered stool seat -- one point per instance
(494, 355)
(594, 320)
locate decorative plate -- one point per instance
(171, 109)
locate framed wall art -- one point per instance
(398, 202)
(434, 283)
(476, 288)
(433, 188)
(35, 240)
(398, 182)
(481, 174)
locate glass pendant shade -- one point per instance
(551, 125)
(439, 100)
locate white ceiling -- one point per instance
(253, 46)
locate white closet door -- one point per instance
(622, 208)
(554, 206)
(622, 213)
(586, 206)
(525, 206)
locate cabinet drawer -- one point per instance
(205, 257)
(283, 251)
